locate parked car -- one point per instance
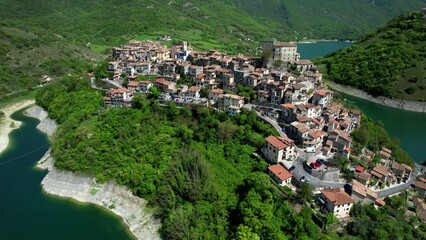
(322, 161)
(302, 179)
(317, 164)
(292, 168)
(313, 165)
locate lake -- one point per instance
(27, 213)
(320, 48)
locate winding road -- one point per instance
(299, 171)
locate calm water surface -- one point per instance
(27, 213)
(319, 49)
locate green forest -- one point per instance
(196, 168)
(390, 61)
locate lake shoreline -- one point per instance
(7, 124)
(406, 105)
(117, 199)
(305, 41)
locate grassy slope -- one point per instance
(28, 54)
(109, 22)
(389, 62)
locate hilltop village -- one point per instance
(314, 145)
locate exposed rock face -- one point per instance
(118, 199)
(46, 124)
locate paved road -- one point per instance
(267, 119)
(299, 171)
(115, 84)
(398, 188)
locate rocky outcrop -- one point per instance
(118, 199)
(46, 124)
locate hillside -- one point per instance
(218, 22)
(389, 62)
(29, 54)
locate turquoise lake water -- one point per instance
(28, 213)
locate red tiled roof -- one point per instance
(337, 196)
(217, 90)
(279, 171)
(133, 84)
(194, 89)
(288, 105)
(276, 142)
(420, 184)
(316, 134)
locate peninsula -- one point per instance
(166, 122)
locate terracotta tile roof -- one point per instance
(385, 154)
(300, 127)
(144, 82)
(387, 150)
(304, 62)
(194, 89)
(133, 84)
(162, 81)
(420, 184)
(280, 172)
(276, 142)
(217, 90)
(407, 168)
(364, 176)
(316, 134)
(362, 190)
(381, 170)
(322, 92)
(337, 196)
(288, 105)
(380, 202)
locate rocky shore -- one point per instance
(7, 124)
(111, 196)
(401, 104)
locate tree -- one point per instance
(154, 92)
(330, 219)
(305, 192)
(245, 233)
(277, 63)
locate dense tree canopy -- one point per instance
(389, 62)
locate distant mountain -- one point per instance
(389, 62)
